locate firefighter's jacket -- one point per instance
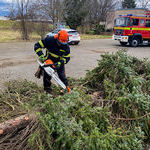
(54, 52)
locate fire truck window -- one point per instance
(147, 23)
(142, 22)
(134, 22)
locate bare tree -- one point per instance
(50, 9)
(98, 10)
(22, 16)
(21, 10)
(143, 3)
(41, 28)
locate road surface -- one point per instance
(18, 60)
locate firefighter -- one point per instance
(57, 50)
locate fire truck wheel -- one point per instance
(123, 43)
(134, 42)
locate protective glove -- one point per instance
(68, 88)
(42, 59)
(57, 65)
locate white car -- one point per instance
(74, 36)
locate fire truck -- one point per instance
(131, 29)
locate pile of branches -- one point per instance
(108, 109)
(17, 121)
(123, 82)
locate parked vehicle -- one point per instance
(74, 36)
(132, 29)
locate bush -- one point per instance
(99, 28)
(109, 30)
(42, 28)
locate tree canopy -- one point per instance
(128, 4)
(74, 12)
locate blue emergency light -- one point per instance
(129, 14)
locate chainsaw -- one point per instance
(48, 67)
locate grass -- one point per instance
(10, 35)
(6, 24)
(88, 36)
(14, 36)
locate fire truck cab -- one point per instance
(132, 29)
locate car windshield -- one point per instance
(55, 31)
(122, 21)
(73, 32)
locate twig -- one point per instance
(13, 108)
(130, 119)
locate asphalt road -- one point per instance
(18, 60)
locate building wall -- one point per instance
(4, 18)
(113, 15)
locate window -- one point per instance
(147, 24)
(142, 22)
(73, 32)
(134, 22)
(122, 21)
(55, 31)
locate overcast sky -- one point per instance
(4, 4)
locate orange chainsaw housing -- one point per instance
(50, 62)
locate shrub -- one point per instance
(99, 28)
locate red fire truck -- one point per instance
(132, 29)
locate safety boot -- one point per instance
(48, 90)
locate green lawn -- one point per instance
(6, 24)
(14, 36)
(88, 36)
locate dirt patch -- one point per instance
(7, 62)
(98, 51)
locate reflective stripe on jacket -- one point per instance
(54, 52)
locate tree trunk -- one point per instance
(16, 124)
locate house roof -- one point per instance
(132, 9)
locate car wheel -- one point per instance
(123, 43)
(71, 43)
(135, 42)
(77, 43)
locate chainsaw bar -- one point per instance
(50, 71)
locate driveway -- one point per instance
(18, 60)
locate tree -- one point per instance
(98, 10)
(41, 28)
(128, 4)
(50, 10)
(22, 12)
(143, 3)
(74, 12)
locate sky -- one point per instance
(4, 4)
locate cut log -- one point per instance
(16, 124)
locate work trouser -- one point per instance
(61, 75)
